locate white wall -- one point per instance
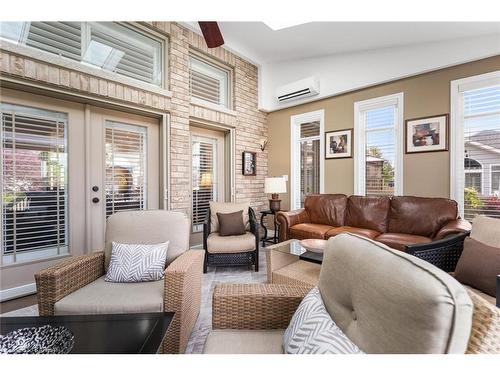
(347, 72)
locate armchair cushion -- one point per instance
(100, 297)
(231, 341)
(148, 227)
(226, 208)
(387, 301)
(230, 244)
(231, 224)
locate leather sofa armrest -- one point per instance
(255, 306)
(287, 219)
(61, 279)
(453, 227)
(182, 295)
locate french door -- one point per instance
(125, 162)
(207, 176)
(66, 167)
(42, 175)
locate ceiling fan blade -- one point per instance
(212, 34)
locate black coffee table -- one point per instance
(100, 334)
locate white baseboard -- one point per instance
(18, 291)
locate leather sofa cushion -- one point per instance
(241, 341)
(101, 297)
(387, 301)
(398, 241)
(368, 212)
(306, 230)
(230, 244)
(420, 216)
(326, 209)
(346, 229)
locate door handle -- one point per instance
(95, 200)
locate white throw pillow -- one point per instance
(131, 263)
(312, 330)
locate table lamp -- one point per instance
(274, 186)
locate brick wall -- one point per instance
(249, 122)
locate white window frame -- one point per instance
(295, 122)
(360, 109)
(457, 148)
(491, 176)
(227, 94)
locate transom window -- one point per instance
(209, 82)
(106, 45)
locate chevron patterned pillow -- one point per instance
(131, 263)
(312, 330)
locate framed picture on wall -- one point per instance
(338, 144)
(427, 134)
(249, 161)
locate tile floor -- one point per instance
(238, 275)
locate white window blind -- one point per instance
(204, 179)
(34, 183)
(380, 150)
(308, 155)
(126, 167)
(481, 163)
(106, 45)
(208, 82)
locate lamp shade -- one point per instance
(274, 185)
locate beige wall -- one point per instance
(425, 174)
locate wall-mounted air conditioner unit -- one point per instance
(297, 90)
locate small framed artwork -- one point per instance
(338, 144)
(427, 134)
(249, 161)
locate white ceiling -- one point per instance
(258, 42)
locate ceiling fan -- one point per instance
(211, 33)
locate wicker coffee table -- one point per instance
(290, 263)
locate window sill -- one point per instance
(41, 260)
(213, 107)
(63, 62)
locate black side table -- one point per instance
(274, 238)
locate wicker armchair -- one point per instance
(181, 285)
(235, 252)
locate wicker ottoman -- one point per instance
(300, 273)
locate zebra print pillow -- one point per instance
(312, 330)
(132, 263)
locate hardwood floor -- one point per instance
(18, 303)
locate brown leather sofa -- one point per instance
(399, 222)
